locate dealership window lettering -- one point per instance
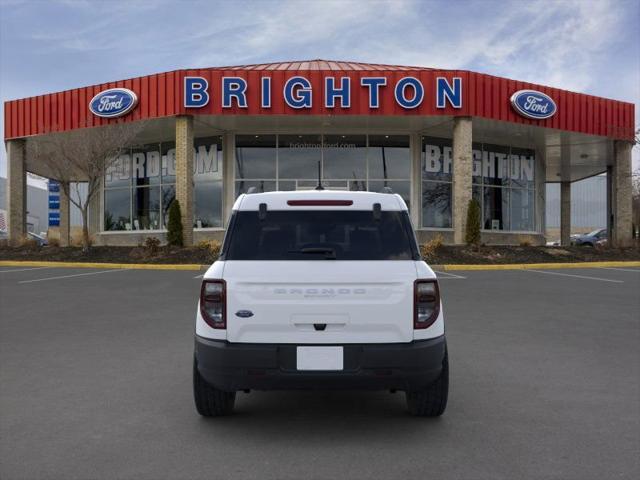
(503, 184)
(151, 163)
(140, 186)
(485, 163)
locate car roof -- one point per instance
(280, 200)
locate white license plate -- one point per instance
(320, 358)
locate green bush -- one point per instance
(174, 227)
(472, 234)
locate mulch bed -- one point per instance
(445, 254)
(170, 255)
(451, 255)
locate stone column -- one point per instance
(228, 173)
(462, 175)
(184, 174)
(565, 213)
(621, 184)
(65, 215)
(416, 179)
(16, 191)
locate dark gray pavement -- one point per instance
(95, 382)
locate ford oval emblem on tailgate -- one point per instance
(244, 313)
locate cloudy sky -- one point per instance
(583, 45)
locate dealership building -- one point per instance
(437, 137)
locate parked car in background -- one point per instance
(590, 239)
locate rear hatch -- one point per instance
(320, 276)
(320, 301)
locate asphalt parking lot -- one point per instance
(95, 382)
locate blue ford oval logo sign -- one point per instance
(244, 313)
(533, 104)
(114, 102)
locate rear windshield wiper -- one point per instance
(329, 253)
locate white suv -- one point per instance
(320, 290)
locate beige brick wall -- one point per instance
(184, 174)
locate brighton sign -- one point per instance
(113, 103)
(533, 104)
(298, 93)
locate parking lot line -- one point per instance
(70, 276)
(23, 269)
(199, 276)
(637, 270)
(450, 275)
(575, 276)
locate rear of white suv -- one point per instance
(320, 290)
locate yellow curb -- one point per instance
(525, 266)
(133, 266)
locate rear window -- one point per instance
(320, 235)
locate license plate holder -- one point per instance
(320, 358)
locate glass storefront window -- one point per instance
(168, 195)
(522, 167)
(344, 156)
(298, 156)
(207, 160)
(496, 208)
(495, 165)
(255, 156)
(389, 157)
(146, 208)
(146, 165)
(521, 211)
(118, 174)
(436, 204)
(117, 209)
(437, 163)
(168, 162)
(151, 170)
(401, 187)
(207, 205)
(437, 173)
(497, 171)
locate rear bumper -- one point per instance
(242, 366)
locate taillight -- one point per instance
(213, 303)
(426, 303)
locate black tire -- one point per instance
(432, 401)
(210, 402)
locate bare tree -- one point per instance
(82, 156)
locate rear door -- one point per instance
(320, 301)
